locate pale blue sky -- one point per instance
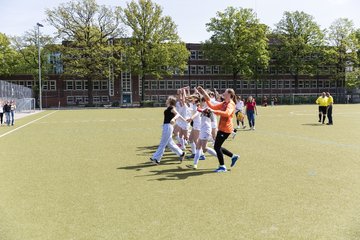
(17, 16)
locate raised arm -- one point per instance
(229, 111)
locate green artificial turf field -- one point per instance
(85, 174)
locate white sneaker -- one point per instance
(253, 128)
(233, 135)
(238, 127)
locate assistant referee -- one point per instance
(322, 101)
(329, 108)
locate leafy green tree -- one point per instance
(238, 42)
(299, 41)
(344, 49)
(353, 79)
(87, 29)
(8, 56)
(154, 48)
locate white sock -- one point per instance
(223, 166)
(182, 143)
(211, 151)
(197, 156)
(193, 147)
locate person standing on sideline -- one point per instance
(170, 116)
(1, 113)
(251, 110)
(322, 101)
(330, 103)
(225, 110)
(7, 110)
(12, 111)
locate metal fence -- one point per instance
(20, 94)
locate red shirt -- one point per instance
(250, 105)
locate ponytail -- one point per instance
(232, 95)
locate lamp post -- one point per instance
(39, 60)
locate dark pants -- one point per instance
(220, 151)
(1, 118)
(251, 117)
(329, 114)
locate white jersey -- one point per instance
(239, 106)
(195, 111)
(206, 126)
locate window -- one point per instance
(231, 84)
(22, 83)
(177, 84)
(85, 85)
(45, 85)
(201, 83)
(104, 85)
(327, 84)
(332, 84)
(280, 84)
(201, 70)
(29, 84)
(301, 84)
(192, 54)
(216, 69)
(96, 85)
(293, 84)
(307, 84)
(78, 99)
(86, 99)
(223, 84)
(162, 84)
(154, 98)
(273, 84)
(52, 85)
(200, 55)
(147, 84)
(186, 70)
(245, 84)
(78, 85)
(186, 83)
(207, 84)
(96, 99)
(70, 100)
(313, 84)
(193, 70)
(105, 99)
(238, 84)
(216, 84)
(126, 82)
(154, 84)
(162, 98)
(170, 84)
(252, 84)
(287, 84)
(69, 85)
(321, 84)
(193, 84)
(208, 70)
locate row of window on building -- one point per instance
(272, 70)
(241, 84)
(71, 100)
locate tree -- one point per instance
(353, 79)
(344, 49)
(298, 42)
(87, 29)
(238, 42)
(8, 56)
(154, 47)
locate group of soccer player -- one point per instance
(198, 111)
(325, 102)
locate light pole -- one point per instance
(39, 59)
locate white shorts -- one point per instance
(197, 125)
(183, 125)
(205, 136)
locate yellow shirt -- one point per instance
(330, 100)
(322, 101)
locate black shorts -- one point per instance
(322, 109)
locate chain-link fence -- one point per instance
(20, 94)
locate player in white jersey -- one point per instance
(196, 122)
(185, 112)
(239, 115)
(207, 118)
(214, 123)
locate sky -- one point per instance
(18, 16)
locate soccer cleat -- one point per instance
(190, 156)
(233, 135)
(238, 127)
(253, 128)
(202, 157)
(182, 157)
(155, 161)
(329, 124)
(319, 120)
(234, 160)
(244, 127)
(195, 167)
(220, 169)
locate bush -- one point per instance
(147, 103)
(115, 104)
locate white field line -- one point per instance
(18, 128)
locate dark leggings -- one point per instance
(1, 117)
(220, 151)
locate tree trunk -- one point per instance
(143, 88)
(234, 81)
(90, 92)
(296, 78)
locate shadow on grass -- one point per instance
(313, 124)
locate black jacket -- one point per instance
(7, 108)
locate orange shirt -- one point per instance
(226, 112)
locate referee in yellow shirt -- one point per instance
(330, 103)
(322, 101)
